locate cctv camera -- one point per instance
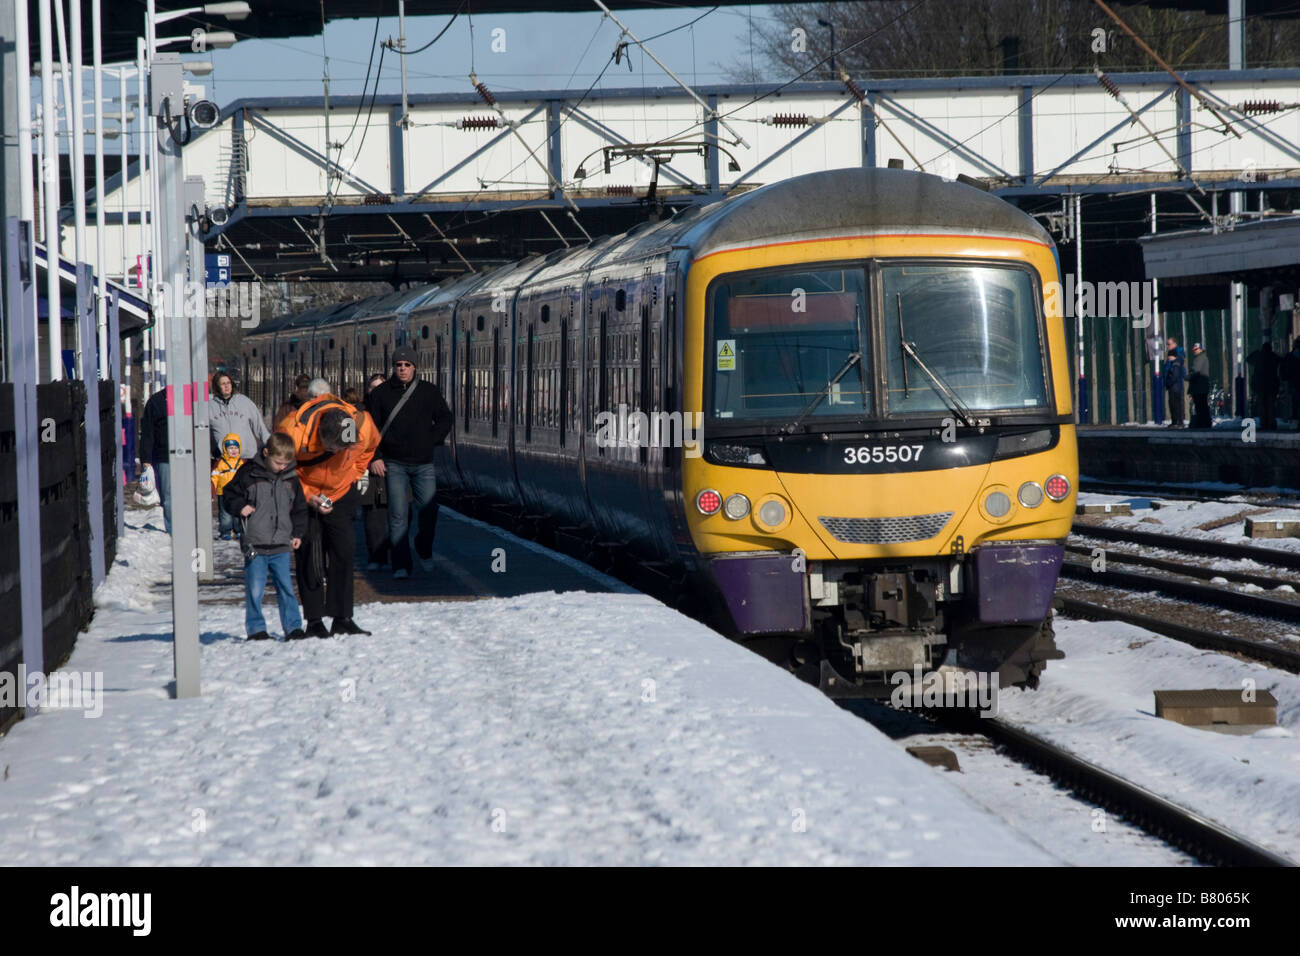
(218, 215)
(204, 114)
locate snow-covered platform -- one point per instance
(588, 727)
(1231, 453)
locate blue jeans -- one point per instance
(162, 472)
(226, 523)
(255, 570)
(407, 482)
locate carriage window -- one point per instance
(972, 332)
(782, 339)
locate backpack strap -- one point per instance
(406, 396)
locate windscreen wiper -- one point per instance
(945, 391)
(853, 359)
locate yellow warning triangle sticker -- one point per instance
(726, 349)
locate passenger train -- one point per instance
(836, 406)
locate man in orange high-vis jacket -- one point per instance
(335, 443)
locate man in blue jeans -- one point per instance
(413, 419)
(153, 448)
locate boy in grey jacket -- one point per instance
(266, 495)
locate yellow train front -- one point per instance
(888, 466)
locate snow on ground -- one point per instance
(1100, 703)
(1184, 518)
(547, 729)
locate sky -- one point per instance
(541, 51)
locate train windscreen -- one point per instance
(961, 330)
(783, 341)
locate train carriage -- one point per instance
(836, 406)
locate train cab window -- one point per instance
(973, 333)
(781, 339)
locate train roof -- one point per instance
(856, 201)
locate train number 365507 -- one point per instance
(876, 454)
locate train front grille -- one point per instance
(885, 530)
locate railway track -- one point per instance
(1277, 608)
(1192, 591)
(1182, 828)
(1271, 654)
(1189, 831)
(1201, 546)
(1288, 500)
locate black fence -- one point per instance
(66, 582)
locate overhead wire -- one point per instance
(435, 39)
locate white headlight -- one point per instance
(1030, 494)
(772, 513)
(997, 504)
(737, 507)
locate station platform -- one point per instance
(472, 560)
(1219, 455)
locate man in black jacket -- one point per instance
(413, 427)
(154, 450)
(1198, 386)
(1264, 383)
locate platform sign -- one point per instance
(217, 267)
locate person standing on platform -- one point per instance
(414, 419)
(1291, 375)
(374, 500)
(222, 474)
(294, 401)
(1198, 386)
(230, 412)
(154, 449)
(266, 498)
(335, 444)
(1264, 384)
(1175, 379)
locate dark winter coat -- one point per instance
(419, 428)
(1198, 383)
(280, 509)
(153, 428)
(1265, 363)
(1175, 374)
(1291, 369)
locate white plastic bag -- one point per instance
(147, 492)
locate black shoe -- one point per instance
(297, 634)
(346, 626)
(259, 636)
(316, 629)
